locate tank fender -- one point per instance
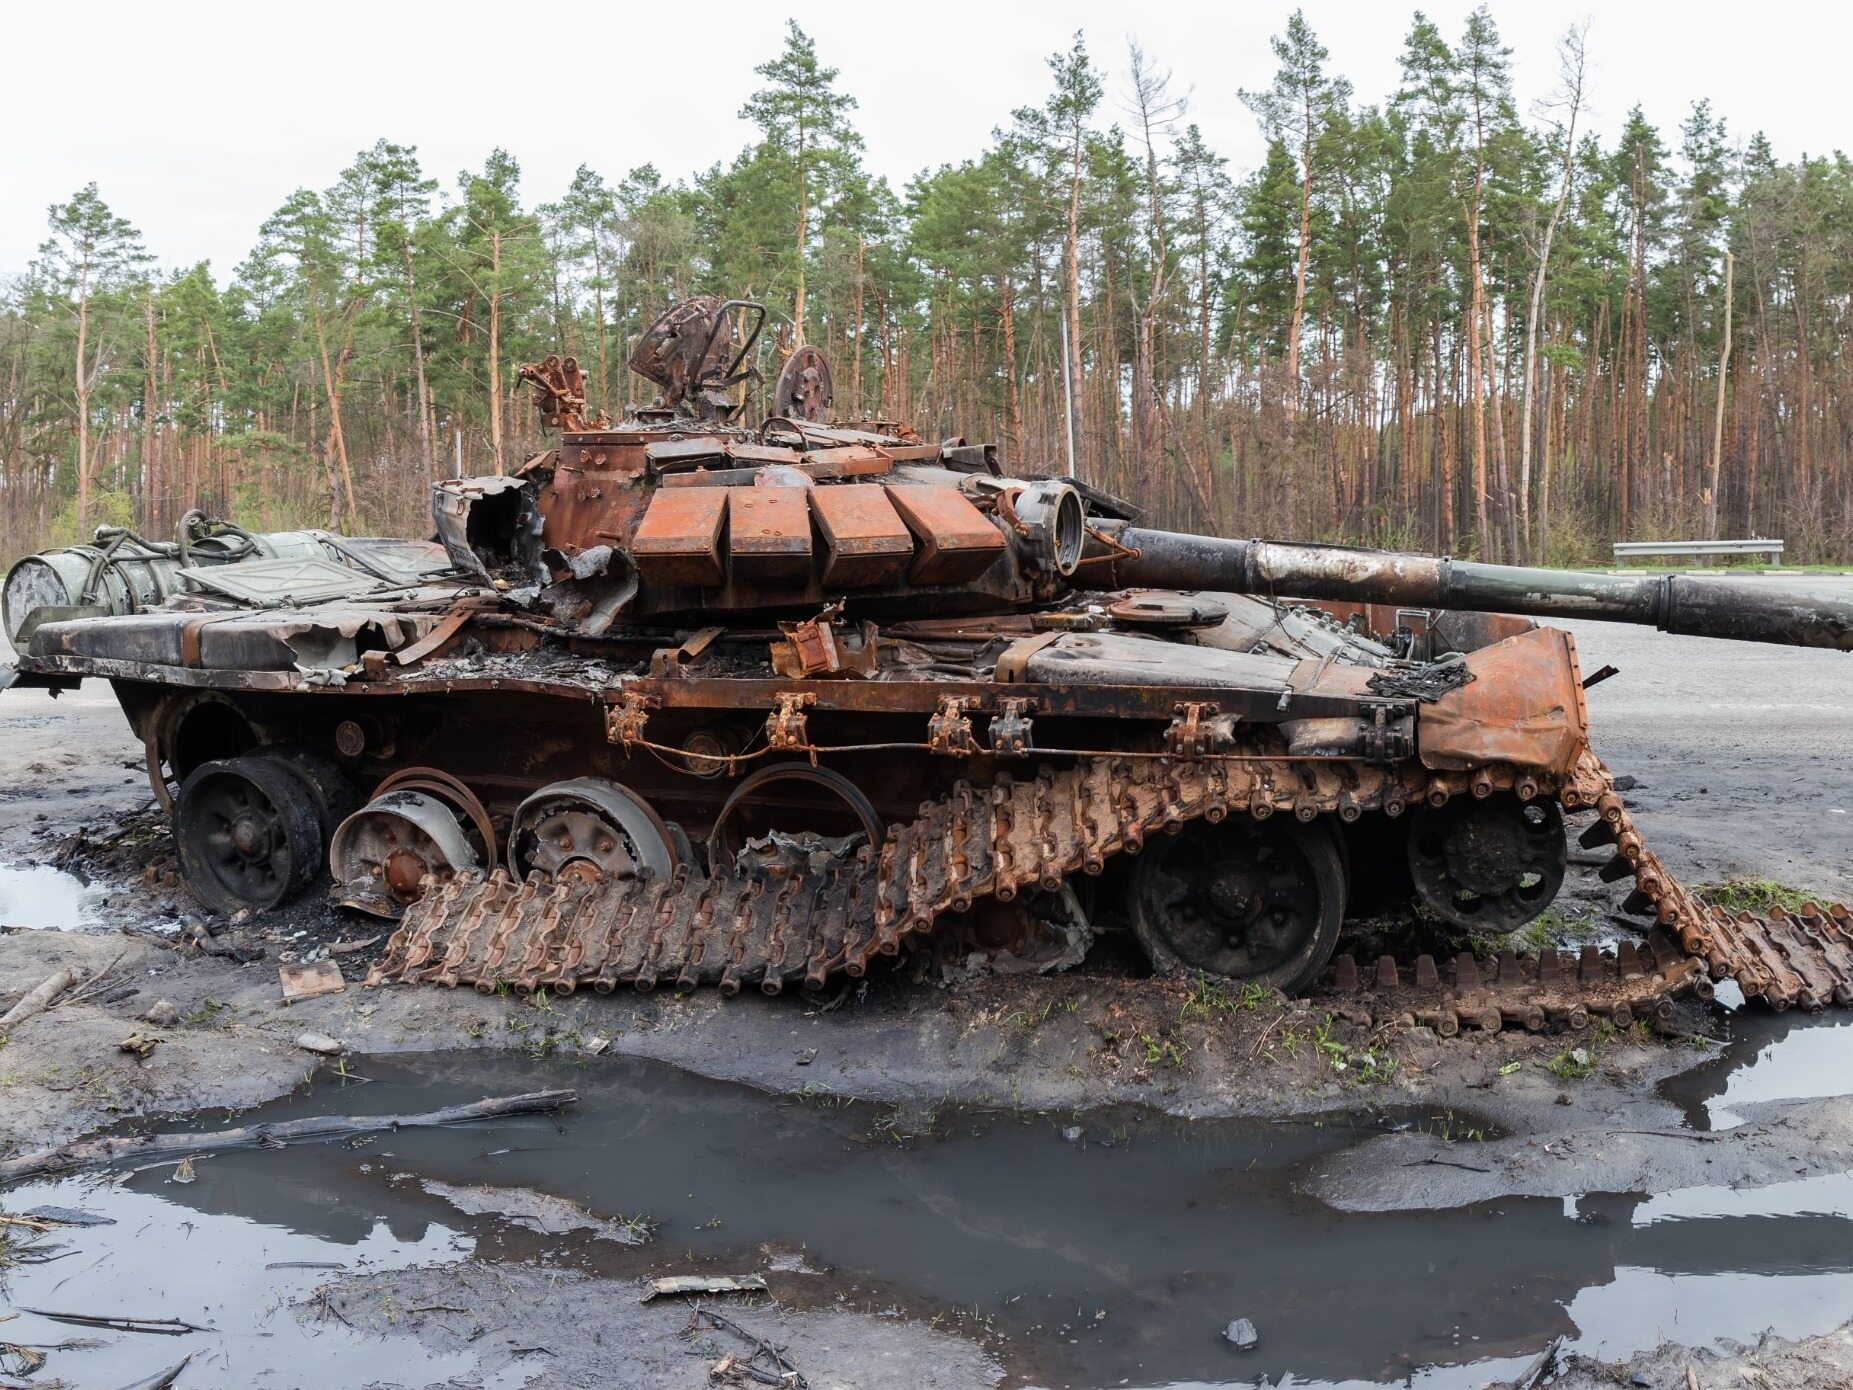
(1523, 707)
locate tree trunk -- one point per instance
(1717, 428)
(857, 311)
(151, 472)
(804, 229)
(1072, 329)
(1483, 535)
(82, 384)
(336, 446)
(427, 451)
(1299, 272)
(495, 349)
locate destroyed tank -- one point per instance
(697, 698)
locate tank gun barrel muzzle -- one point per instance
(1781, 614)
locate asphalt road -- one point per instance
(1744, 752)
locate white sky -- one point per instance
(198, 118)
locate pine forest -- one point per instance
(1440, 322)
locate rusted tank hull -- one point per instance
(690, 697)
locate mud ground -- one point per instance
(1735, 751)
(1814, 1363)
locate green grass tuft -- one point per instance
(1554, 929)
(1206, 998)
(1754, 895)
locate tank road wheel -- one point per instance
(798, 801)
(471, 814)
(1254, 901)
(381, 854)
(803, 391)
(592, 830)
(1487, 865)
(320, 776)
(248, 832)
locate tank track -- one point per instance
(1783, 958)
(797, 919)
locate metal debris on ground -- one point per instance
(311, 980)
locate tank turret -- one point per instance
(684, 510)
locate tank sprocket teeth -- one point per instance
(1597, 834)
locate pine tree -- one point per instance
(90, 252)
(803, 123)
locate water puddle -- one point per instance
(1108, 1257)
(1768, 1056)
(34, 895)
(214, 1264)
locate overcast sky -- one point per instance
(197, 119)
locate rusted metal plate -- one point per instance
(310, 981)
(686, 453)
(957, 541)
(1453, 631)
(849, 461)
(744, 451)
(866, 540)
(769, 533)
(1524, 707)
(678, 541)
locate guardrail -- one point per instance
(1636, 550)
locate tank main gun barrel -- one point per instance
(1673, 603)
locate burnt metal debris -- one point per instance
(695, 698)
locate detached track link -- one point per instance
(1633, 982)
(800, 923)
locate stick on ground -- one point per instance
(162, 1380)
(38, 998)
(92, 1153)
(163, 1327)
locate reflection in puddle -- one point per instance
(1769, 1056)
(1112, 1259)
(34, 895)
(212, 1269)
